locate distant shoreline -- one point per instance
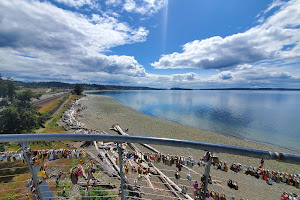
(262, 89)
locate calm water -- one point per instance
(270, 117)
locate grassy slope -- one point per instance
(51, 127)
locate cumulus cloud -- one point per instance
(79, 3)
(113, 2)
(225, 75)
(184, 77)
(41, 42)
(125, 65)
(262, 42)
(63, 42)
(254, 74)
(144, 7)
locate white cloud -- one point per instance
(263, 42)
(242, 76)
(79, 3)
(113, 2)
(129, 5)
(63, 42)
(275, 3)
(225, 75)
(254, 75)
(144, 7)
(69, 46)
(184, 77)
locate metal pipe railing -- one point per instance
(122, 175)
(211, 147)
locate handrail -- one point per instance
(212, 147)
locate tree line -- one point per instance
(85, 86)
(17, 113)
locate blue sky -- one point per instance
(155, 43)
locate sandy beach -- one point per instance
(102, 112)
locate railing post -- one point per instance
(25, 148)
(207, 172)
(122, 175)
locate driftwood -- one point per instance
(69, 117)
(103, 165)
(168, 183)
(150, 148)
(107, 148)
(118, 129)
(114, 164)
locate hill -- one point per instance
(61, 85)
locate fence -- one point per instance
(45, 190)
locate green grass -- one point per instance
(13, 146)
(95, 192)
(40, 145)
(61, 186)
(52, 127)
(48, 145)
(11, 195)
(77, 161)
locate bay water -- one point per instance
(267, 117)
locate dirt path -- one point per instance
(45, 101)
(54, 114)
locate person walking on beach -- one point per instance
(261, 163)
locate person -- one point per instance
(261, 163)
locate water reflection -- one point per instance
(264, 116)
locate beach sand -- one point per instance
(102, 112)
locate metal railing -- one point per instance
(212, 147)
(119, 139)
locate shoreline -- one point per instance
(251, 135)
(103, 111)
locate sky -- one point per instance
(152, 43)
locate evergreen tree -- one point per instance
(77, 89)
(19, 115)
